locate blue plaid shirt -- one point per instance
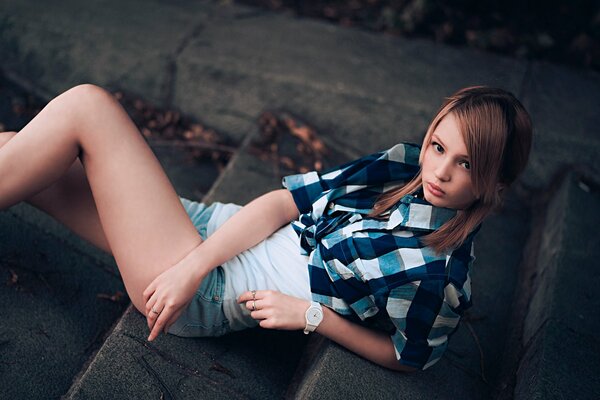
(378, 272)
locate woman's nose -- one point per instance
(442, 172)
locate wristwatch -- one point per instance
(314, 316)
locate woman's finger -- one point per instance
(254, 305)
(159, 324)
(149, 291)
(244, 297)
(153, 317)
(259, 314)
(259, 294)
(152, 304)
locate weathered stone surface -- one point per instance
(562, 353)
(52, 315)
(249, 364)
(224, 64)
(563, 104)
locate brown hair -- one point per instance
(497, 132)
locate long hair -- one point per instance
(497, 132)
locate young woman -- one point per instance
(384, 243)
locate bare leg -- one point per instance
(145, 224)
(69, 200)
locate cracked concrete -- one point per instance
(171, 74)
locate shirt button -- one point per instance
(216, 298)
(331, 205)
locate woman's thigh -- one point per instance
(145, 224)
(69, 200)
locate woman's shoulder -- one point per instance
(404, 152)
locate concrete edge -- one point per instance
(307, 366)
(212, 193)
(87, 366)
(533, 373)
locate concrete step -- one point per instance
(227, 63)
(561, 352)
(55, 293)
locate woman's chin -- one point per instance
(434, 200)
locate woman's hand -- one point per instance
(168, 295)
(276, 310)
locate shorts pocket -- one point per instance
(204, 315)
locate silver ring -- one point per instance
(253, 294)
(154, 311)
(253, 305)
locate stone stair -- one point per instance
(531, 331)
(55, 293)
(265, 364)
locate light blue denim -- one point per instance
(204, 315)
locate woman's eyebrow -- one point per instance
(437, 139)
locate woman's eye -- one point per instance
(466, 164)
(437, 147)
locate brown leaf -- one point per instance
(138, 104)
(318, 145)
(14, 278)
(287, 162)
(303, 133)
(118, 297)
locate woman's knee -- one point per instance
(88, 108)
(90, 96)
(84, 101)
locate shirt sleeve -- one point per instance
(313, 190)
(423, 320)
(426, 313)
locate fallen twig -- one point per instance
(189, 143)
(481, 358)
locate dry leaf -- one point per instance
(14, 278)
(287, 162)
(118, 297)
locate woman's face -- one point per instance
(445, 169)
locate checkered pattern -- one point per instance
(378, 271)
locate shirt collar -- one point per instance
(415, 213)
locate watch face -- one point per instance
(314, 315)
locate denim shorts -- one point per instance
(204, 315)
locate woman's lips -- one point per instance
(435, 190)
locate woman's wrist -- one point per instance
(196, 263)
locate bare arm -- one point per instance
(246, 228)
(276, 310)
(370, 344)
(173, 289)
